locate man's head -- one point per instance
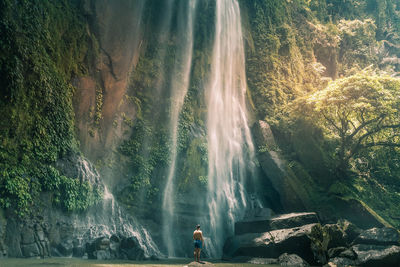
(198, 226)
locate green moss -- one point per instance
(43, 46)
(194, 166)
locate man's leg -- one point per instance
(199, 253)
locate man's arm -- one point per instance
(202, 240)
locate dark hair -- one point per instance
(198, 226)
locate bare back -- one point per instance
(198, 235)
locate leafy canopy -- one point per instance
(360, 111)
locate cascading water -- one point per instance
(179, 86)
(110, 219)
(230, 147)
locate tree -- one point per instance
(360, 111)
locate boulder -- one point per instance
(335, 252)
(284, 221)
(252, 260)
(338, 261)
(99, 244)
(27, 235)
(264, 261)
(337, 237)
(291, 260)
(272, 244)
(30, 250)
(78, 252)
(319, 243)
(102, 254)
(350, 229)
(131, 248)
(378, 236)
(342, 252)
(65, 249)
(377, 255)
(102, 243)
(114, 246)
(326, 237)
(348, 253)
(292, 220)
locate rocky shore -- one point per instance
(294, 239)
(299, 239)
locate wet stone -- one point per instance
(378, 236)
(291, 260)
(30, 250)
(27, 235)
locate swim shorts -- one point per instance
(197, 243)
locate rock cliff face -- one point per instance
(99, 99)
(292, 193)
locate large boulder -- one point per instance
(272, 244)
(284, 221)
(375, 255)
(378, 236)
(131, 248)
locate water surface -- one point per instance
(63, 262)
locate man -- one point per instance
(198, 242)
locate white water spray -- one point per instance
(179, 86)
(230, 148)
(110, 219)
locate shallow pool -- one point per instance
(62, 262)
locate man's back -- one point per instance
(198, 235)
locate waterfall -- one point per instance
(109, 219)
(230, 148)
(179, 88)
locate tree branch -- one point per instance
(365, 123)
(358, 144)
(331, 122)
(388, 144)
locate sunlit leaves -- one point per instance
(361, 111)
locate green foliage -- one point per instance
(361, 111)
(194, 166)
(294, 48)
(358, 45)
(43, 45)
(278, 64)
(73, 195)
